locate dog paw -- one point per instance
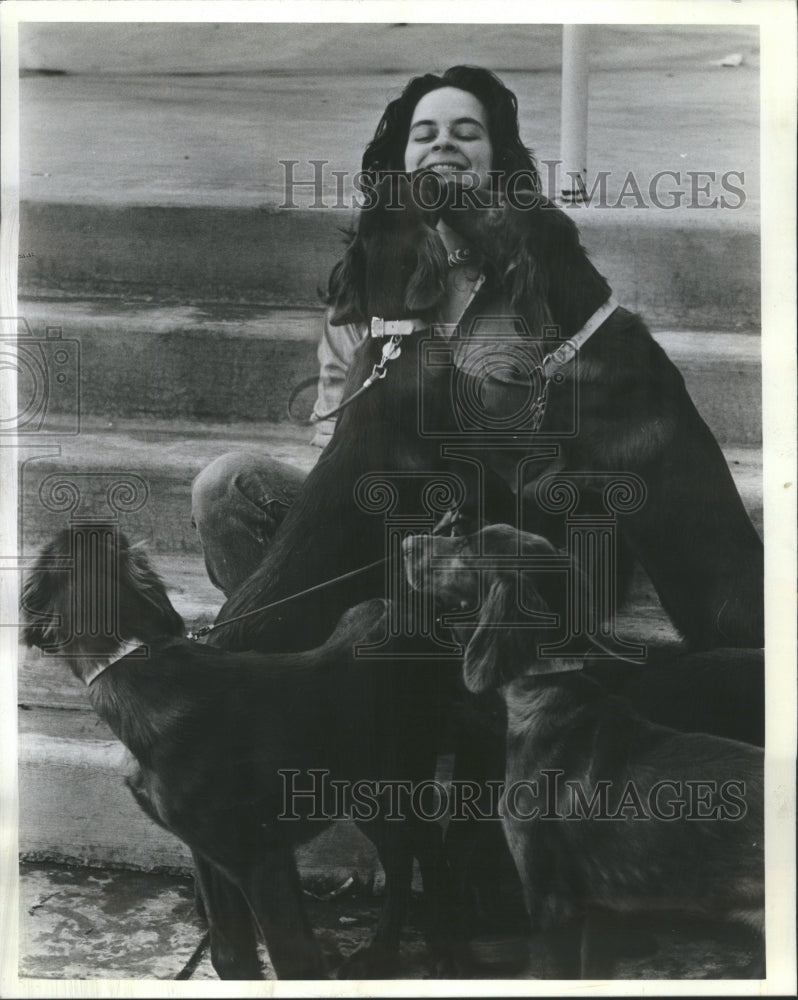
(371, 961)
(451, 964)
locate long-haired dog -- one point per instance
(221, 739)
(691, 534)
(602, 808)
(620, 406)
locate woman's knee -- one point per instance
(239, 476)
(213, 484)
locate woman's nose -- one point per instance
(444, 142)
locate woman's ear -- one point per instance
(485, 666)
(427, 284)
(346, 287)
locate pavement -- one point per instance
(83, 924)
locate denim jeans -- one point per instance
(237, 503)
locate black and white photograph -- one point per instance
(398, 523)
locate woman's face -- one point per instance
(449, 133)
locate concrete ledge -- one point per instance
(74, 808)
(680, 270)
(163, 455)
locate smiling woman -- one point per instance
(462, 122)
(538, 378)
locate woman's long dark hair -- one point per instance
(386, 151)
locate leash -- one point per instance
(563, 355)
(378, 327)
(454, 517)
(394, 330)
(206, 629)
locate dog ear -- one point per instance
(427, 284)
(44, 603)
(41, 608)
(143, 597)
(522, 278)
(487, 653)
(346, 287)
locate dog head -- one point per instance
(90, 591)
(396, 264)
(517, 610)
(533, 250)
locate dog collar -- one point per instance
(379, 327)
(461, 256)
(127, 647)
(568, 350)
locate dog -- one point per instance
(602, 809)
(692, 534)
(217, 735)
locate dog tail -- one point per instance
(363, 624)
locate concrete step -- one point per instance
(674, 267)
(237, 363)
(159, 459)
(161, 456)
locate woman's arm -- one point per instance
(336, 348)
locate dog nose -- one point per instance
(414, 544)
(417, 551)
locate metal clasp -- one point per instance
(390, 350)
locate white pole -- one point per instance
(573, 129)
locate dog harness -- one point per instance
(542, 374)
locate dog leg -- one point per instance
(378, 959)
(487, 889)
(555, 953)
(597, 952)
(273, 891)
(443, 933)
(234, 950)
